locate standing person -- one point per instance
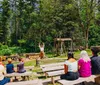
(9, 66)
(95, 61)
(20, 66)
(41, 46)
(84, 64)
(70, 68)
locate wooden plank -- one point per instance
(31, 82)
(63, 39)
(81, 79)
(52, 68)
(51, 65)
(18, 74)
(55, 73)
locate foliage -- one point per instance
(25, 23)
(5, 50)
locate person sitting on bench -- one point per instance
(10, 66)
(95, 61)
(84, 64)
(20, 66)
(3, 80)
(70, 68)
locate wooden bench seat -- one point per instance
(26, 74)
(79, 80)
(52, 68)
(51, 65)
(55, 73)
(32, 82)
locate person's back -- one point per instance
(20, 67)
(9, 66)
(3, 80)
(84, 64)
(1, 72)
(95, 61)
(70, 68)
(85, 68)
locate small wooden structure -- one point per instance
(61, 45)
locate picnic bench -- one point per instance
(52, 70)
(32, 55)
(31, 82)
(25, 74)
(57, 69)
(78, 81)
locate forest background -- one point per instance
(25, 23)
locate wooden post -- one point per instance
(37, 61)
(61, 50)
(52, 80)
(97, 80)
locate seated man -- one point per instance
(95, 61)
(9, 66)
(20, 66)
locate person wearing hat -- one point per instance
(95, 60)
(9, 66)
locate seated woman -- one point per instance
(9, 66)
(20, 66)
(84, 64)
(70, 68)
(3, 80)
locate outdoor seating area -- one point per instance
(49, 42)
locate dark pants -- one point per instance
(70, 76)
(4, 81)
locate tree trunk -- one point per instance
(87, 31)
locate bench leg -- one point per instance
(23, 77)
(52, 80)
(28, 77)
(97, 80)
(46, 74)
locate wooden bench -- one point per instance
(32, 82)
(53, 70)
(26, 74)
(32, 55)
(52, 67)
(78, 81)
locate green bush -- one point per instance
(5, 50)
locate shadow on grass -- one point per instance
(42, 77)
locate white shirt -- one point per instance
(41, 48)
(72, 66)
(2, 70)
